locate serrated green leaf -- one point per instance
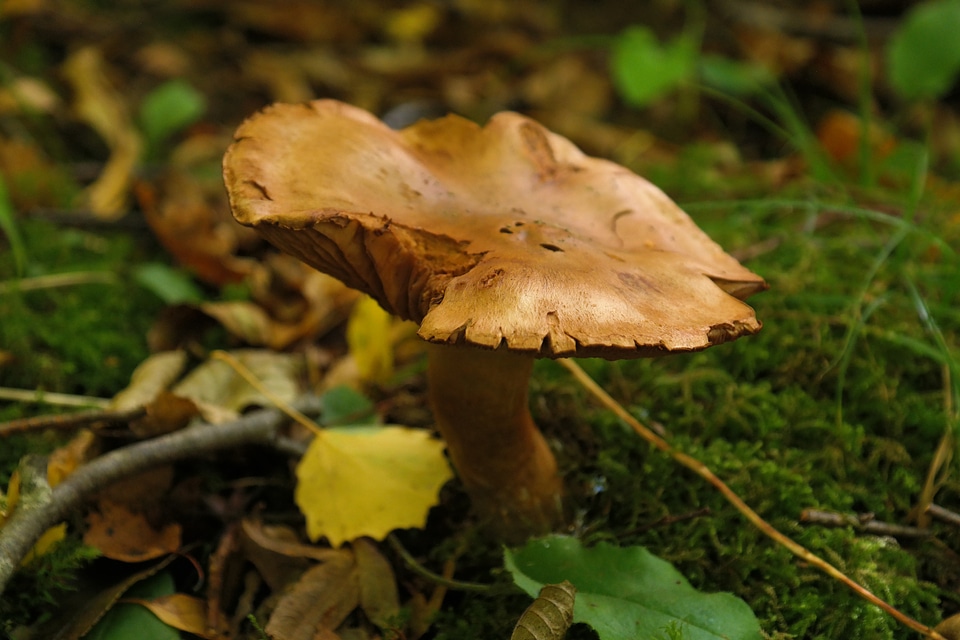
(644, 70)
(626, 592)
(923, 57)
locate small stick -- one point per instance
(62, 399)
(70, 420)
(862, 522)
(54, 280)
(701, 470)
(944, 515)
(436, 578)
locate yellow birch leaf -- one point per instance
(369, 340)
(369, 481)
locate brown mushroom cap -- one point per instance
(500, 236)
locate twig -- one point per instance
(28, 523)
(422, 571)
(61, 399)
(70, 420)
(54, 280)
(701, 470)
(944, 515)
(862, 522)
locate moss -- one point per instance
(85, 338)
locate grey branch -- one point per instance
(27, 524)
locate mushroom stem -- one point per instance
(480, 407)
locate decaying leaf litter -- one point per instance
(839, 403)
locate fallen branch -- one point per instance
(27, 524)
(701, 470)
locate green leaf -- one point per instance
(169, 108)
(343, 406)
(923, 57)
(627, 592)
(733, 77)
(126, 621)
(644, 70)
(173, 286)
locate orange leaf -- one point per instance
(123, 535)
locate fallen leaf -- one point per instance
(46, 543)
(182, 612)
(65, 460)
(368, 481)
(379, 598)
(194, 225)
(369, 340)
(221, 393)
(121, 534)
(166, 413)
(101, 105)
(152, 376)
(319, 602)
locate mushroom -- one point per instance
(505, 243)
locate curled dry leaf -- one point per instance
(99, 104)
(550, 615)
(123, 535)
(277, 553)
(319, 602)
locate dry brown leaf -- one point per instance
(221, 393)
(277, 553)
(101, 105)
(379, 597)
(319, 602)
(123, 535)
(143, 492)
(151, 376)
(166, 413)
(182, 612)
(194, 225)
(284, 541)
(65, 460)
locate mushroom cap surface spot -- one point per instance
(502, 236)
